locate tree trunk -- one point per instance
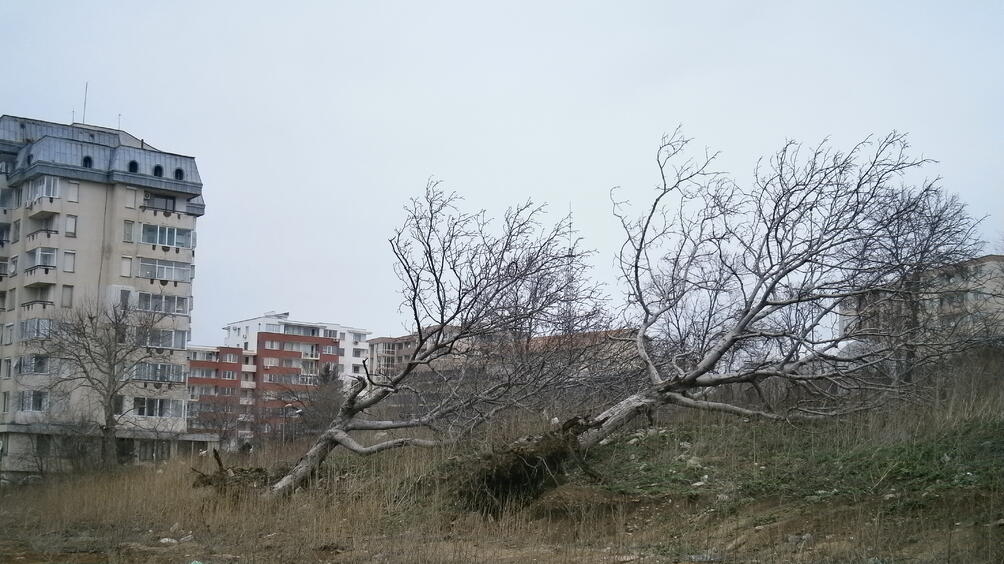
(304, 467)
(619, 415)
(109, 452)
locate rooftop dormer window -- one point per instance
(133, 166)
(158, 170)
(88, 162)
(179, 174)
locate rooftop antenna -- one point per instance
(73, 115)
(83, 118)
(120, 123)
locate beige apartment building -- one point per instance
(91, 215)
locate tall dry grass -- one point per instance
(389, 506)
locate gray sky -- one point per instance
(312, 123)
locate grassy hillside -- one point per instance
(923, 483)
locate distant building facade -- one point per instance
(268, 372)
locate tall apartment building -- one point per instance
(261, 381)
(87, 215)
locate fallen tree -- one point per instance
(816, 291)
(823, 280)
(477, 293)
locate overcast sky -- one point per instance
(313, 123)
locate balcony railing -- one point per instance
(29, 305)
(38, 233)
(46, 267)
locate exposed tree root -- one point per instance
(520, 472)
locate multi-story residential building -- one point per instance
(964, 300)
(221, 387)
(352, 348)
(267, 374)
(389, 354)
(91, 215)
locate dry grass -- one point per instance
(874, 489)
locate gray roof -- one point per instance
(41, 147)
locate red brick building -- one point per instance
(243, 395)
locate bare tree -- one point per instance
(760, 286)
(470, 286)
(96, 350)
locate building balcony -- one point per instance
(44, 207)
(5, 216)
(245, 434)
(248, 368)
(47, 237)
(247, 401)
(166, 216)
(245, 417)
(248, 385)
(40, 275)
(312, 355)
(37, 304)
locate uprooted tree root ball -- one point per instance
(233, 481)
(517, 474)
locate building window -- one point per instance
(229, 357)
(43, 187)
(228, 375)
(15, 231)
(158, 372)
(155, 407)
(71, 226)
(133, 166)
(224, 391)
(156, 201)
(126, 267)
(203, 373)
(179, 174)
(67, 300)
(42, 256)
(69, 261)
(43, 445)
(272, 345)
(34, 364)
(130, 195)
(167, 236)
(167, 338)
(162, 303)
(165, 270)
(34, 329)
(33, 400)
(72, 191)
(6, 402)
(356, 369)
(88, 162)
(127, 231)
(158, 170)
(358, 353)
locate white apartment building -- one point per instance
(353, 349)
(91, 215)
